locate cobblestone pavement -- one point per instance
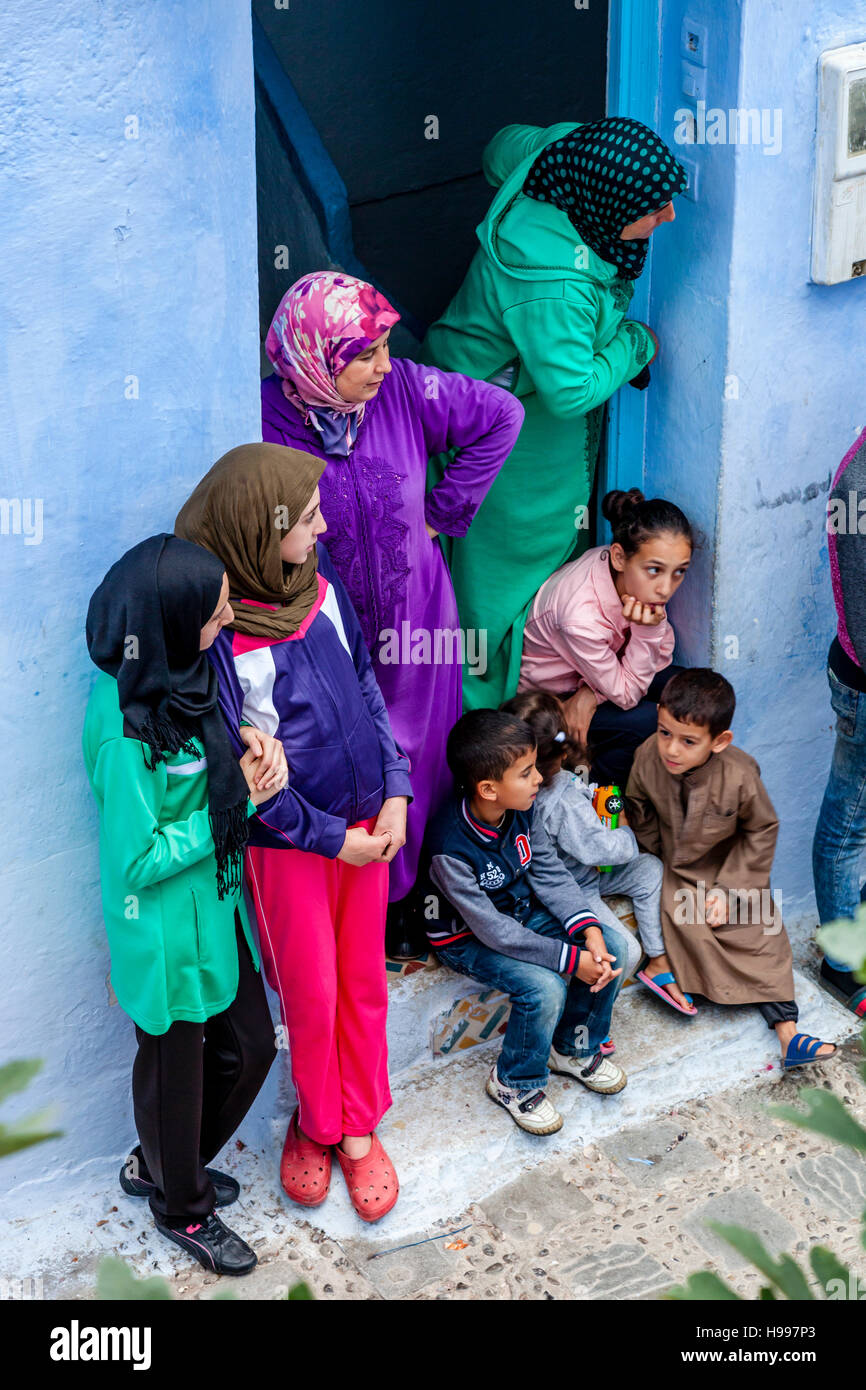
(599, 1225)
(623, 1218)
(596, 1224)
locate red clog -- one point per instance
(371, 1180)
(305, 1168)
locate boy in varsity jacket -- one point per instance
(519, 923)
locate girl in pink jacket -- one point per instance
(598, 634)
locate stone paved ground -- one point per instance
(599, 1226)
(584, 1223)
(592, 1225)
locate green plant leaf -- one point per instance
(845, 941)
(23, 1135)
(766, 1295)
(703, 1287)
(16, 1076)
(826, 1115)
(786, 1274)
(302, 1291)
(115, 1280)
(826, 1266)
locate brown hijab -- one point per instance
(241, 510)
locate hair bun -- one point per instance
(618, 506)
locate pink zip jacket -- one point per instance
(576, 635)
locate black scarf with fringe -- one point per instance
(144, 627)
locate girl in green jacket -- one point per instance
(173, 809)
(542, 312)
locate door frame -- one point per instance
(633, 74)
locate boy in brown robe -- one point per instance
(699, 803)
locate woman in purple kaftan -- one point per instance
(376, 432)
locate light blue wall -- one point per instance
(689, 312)
(732, 298)
(118, 257)
(798, 350)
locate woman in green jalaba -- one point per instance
(542, 312)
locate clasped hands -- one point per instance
(388, 836)
(264, 764)
(595, 961)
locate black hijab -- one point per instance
(604, 175)
(144, 627)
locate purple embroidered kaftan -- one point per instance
(375, 504)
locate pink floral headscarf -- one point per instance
(323, 321)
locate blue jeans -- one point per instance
(840, 835)
(545, 1008)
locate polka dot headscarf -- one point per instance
(604, 175)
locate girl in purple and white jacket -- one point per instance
(295, 660)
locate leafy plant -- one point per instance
(115, 1281)
(15, 1077)
(825, 1114)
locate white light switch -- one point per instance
(694, 82)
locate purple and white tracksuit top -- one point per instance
(316, 691)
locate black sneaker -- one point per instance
(216, 1247)
(227, 1189)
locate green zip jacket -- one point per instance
(173, 944)
(536, 296)
(537, 300)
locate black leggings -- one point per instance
(192, 1086)
(780, 1013)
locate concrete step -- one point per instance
(451, 1144)
(434, 1012)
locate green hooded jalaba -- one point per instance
(538, 299)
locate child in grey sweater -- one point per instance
(564, 807)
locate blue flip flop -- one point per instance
(803, 1049)
(655, 983)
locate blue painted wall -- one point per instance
(732, 301)
(120, 258)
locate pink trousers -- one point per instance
(322, 931)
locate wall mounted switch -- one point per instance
(694, 82)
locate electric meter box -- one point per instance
(839, 219)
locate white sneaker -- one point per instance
(530, 1109)
(598, 1073)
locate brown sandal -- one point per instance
(305, 1168)
(371, 1180)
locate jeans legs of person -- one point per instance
(615, 734)
(191, 1088)
(840, 835)
(584, 1021)
(546, 1012)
